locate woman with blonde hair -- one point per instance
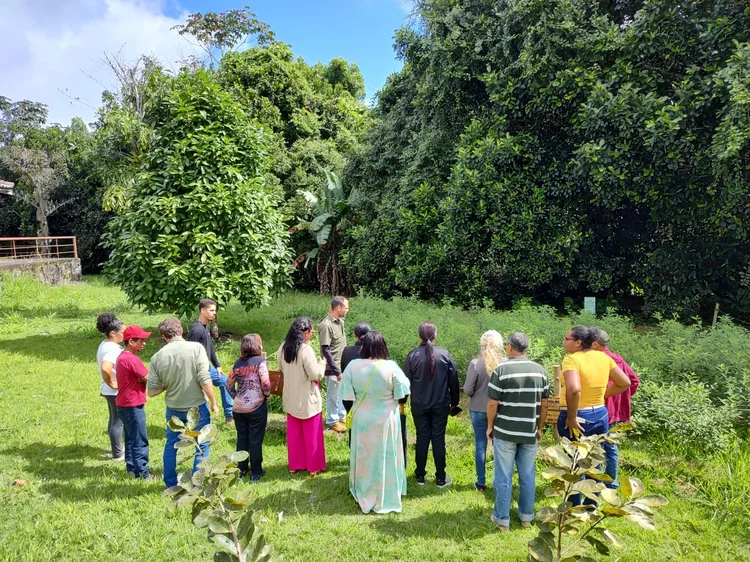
(477, 378)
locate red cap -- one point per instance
(132, 332)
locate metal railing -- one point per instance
(38, 248)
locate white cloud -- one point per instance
(52, 49)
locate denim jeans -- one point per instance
(114, 427)
(596, 422)
(523, 455)
(136, 440)
(335, 410)
(170, 453)
(611, 460)
(251, 429)
(220, 382)
(430, 424)
(479, 422)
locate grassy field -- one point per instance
(78, 505)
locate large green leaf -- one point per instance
(207, 433)
(540, 550)
(558, 456)
(653, 500)
(323, 234)
(318, 222)
(193, 417)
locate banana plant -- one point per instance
(329, 214)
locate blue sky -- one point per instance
(53, 52)
(360, 31)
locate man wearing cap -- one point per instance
(618, 406)
(180, 369)
(132, 375)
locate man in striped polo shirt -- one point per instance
(518, 391)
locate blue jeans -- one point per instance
(335, 410)
(136, 440)
(610, 467)
(596, 423)
(170, 453)
(220, 382)
(479, 422)
(523, 455)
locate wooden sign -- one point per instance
(553, 404)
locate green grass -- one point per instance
(78, 505)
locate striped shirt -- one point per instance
(518, 385)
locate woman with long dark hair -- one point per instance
(586, 376)
(584, 386)
(433, 376)
(106, 357)
(371, 388)
(249, 385)
(301, 398)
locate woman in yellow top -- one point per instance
(586, 376)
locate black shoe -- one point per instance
(420, 480)
(444, 482)
(256, 477)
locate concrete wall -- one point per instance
(52, 271)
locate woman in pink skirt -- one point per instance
(301, 399)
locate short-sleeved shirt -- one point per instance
(181, 367)
(108, 351)
(331, 333)
(519, 385)
(593, 367)
(130, 371)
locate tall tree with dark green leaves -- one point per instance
(561, 149)
(201, 221)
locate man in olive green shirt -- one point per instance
(180, 369)
(332, 343)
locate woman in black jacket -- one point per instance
(433, 376)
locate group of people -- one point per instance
(366, 395)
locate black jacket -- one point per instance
(442, 388)
(350, 354)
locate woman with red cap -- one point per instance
(131, 397)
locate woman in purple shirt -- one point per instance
(249, 385)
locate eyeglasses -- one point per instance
(568, 338)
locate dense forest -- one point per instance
(526, 150)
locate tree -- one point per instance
(201, 221)
(611, 136)
(329, 216)
(225, 31)
(40, 173)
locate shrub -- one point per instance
(684, 411)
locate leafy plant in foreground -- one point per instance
(226, 517)
(572, 461)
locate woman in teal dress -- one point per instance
(372, 387)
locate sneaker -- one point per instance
(480, 487)
(256, 477)
(444, 482)
(338, 427)
(503, 528)
(420, 480)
